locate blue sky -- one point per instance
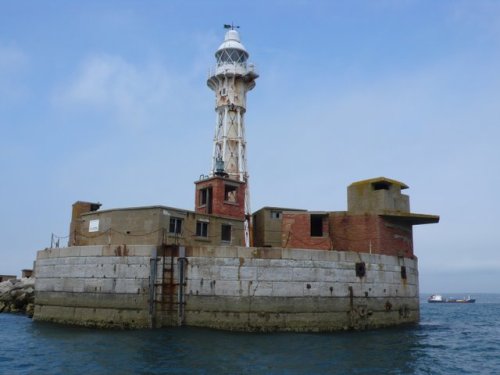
(107, 101)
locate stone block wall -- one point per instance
(225, 287)
(104, 286)
(266, 289)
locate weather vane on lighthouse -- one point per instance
(231, 79)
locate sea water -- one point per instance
(450, 339)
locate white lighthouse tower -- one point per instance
(231, 79)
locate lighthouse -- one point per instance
(231, 78)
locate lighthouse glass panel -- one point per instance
(231, 56)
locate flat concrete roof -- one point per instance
(402, 185)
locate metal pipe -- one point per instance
(153, 265)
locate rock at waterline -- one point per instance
(17, 295)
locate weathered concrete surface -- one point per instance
(17, 295)
(101, 286)
(233, 288)
(298, 290)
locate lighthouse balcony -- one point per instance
(234, 69)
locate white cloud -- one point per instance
(133, 95)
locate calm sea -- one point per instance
(450, 339)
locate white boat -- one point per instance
(436, 298)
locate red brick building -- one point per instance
(378, 220)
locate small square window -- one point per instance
(225, 233)
(202, 229)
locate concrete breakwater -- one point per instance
(17, 296)
(225, 287)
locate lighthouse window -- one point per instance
(202, 229)
(231, 55)
(225, 233)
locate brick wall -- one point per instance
(370, 232)
(296, 232)
(347, 232)
(219, 204)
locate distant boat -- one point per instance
(437, 298)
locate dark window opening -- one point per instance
(381, 185)
(360, 269)
(205, 199)
(175, 225)
(230, 193)
(202, 229)
(403, 272)
(275, 214)
(203, 196)
(316, 225)
(225, 233)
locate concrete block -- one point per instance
(137, 260)
(247, 252)
(228, 288)
(201, 261)
(200, 287)
(227, 261)
(274, 274)
(71, 260)
(91, 251)
(228, 273)
(288, 289)
(226, 252)
(297, 254)
(281, 263)
(99, 285)
(247, 273)
(331, 256)
(134, 271)
(69, 252)
(268, 253)
(45, 262)
(142, 251)
(132, 286)
(261, 288)
(44, 271)
(74, 285)
(259, 262)
(48, 284)
(42, 254)
(305, 274)
(53, 253)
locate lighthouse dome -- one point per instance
(231, 50)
